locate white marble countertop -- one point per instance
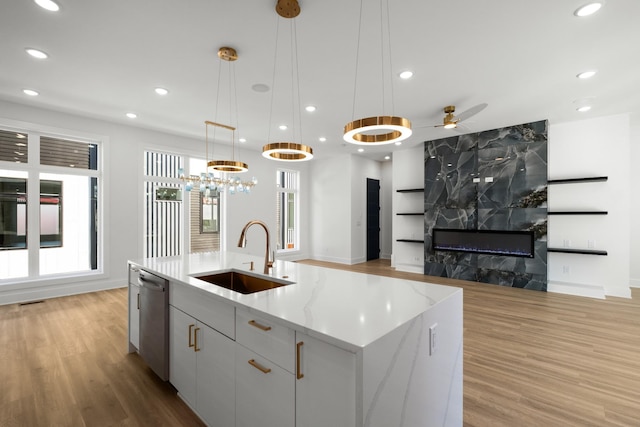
(348, 309)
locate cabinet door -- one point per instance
(326, 393)
(264, 399)
(134, 318)
(182, 358)
(215, 377)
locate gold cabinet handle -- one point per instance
(195, 339)
(258, 366)
(190, 334)
(259, 326)
(299, 373)
(138, 301)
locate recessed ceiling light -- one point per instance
(587, 74)
(310, 108)
(36, 53)
(387, 157)
(132, 115)
(30, 92)
(260, 87)
(20, 136)
(399, 143)
(48, 4)
(242, 139)
(406, 75)
(584, 108)
(587, 9)
(282, 127)
(161, 91)
(360, 150)
(322, 139)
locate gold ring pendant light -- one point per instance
(376, 130)
(288, 151)
(228, 54)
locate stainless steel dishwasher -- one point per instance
(154, 322)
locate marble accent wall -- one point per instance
(491, 180)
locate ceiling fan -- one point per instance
(452, 122)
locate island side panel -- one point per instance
(408, 382)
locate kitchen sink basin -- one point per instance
(240, 282)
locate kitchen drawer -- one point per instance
(206, 308)
(267, 338)
(265, 393)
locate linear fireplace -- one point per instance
(494, 242)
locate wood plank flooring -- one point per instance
(64, 362)
(530, 359)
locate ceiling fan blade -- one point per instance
(471, 112)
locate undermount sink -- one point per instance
(240, 282)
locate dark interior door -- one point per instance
(373, 219)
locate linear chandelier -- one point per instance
(288, 151)
(383, 129)
(208, 181)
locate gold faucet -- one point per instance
(243, 242)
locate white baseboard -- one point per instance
(634, 283)
(410, 268)
(578, 289)
(13, 296)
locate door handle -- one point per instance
(195, 339)
(299, 373)
(190, 333)
(259, 326)
(259, 367)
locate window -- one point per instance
(287, 210)
(174, 218)
(49, 217)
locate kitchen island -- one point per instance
(332, 348)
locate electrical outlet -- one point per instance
(433, 339)
(591, 244)
(566, 269)
(566, 243)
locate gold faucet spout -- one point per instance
(242, 242)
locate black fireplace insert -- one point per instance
(494, 242)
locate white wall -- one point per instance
(261, 205)
(594, 147)
(386, 211)
(122, 192)
(634, 196)
(330, 219)
(408, 172)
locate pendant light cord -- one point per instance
(355, 77)
(389, 60)
(215, 113)
(294, 57)
(273, 78)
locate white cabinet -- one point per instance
(134, 317)
(202, 368)
(265, 385)
(265, 394)
(326, 384)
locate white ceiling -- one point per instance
(519, 56)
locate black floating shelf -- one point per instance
(410, 213)
(577, 213)
(410, 240)
(411, 190)
(577, 251)
(578, 180)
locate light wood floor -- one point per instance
(530, 359)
